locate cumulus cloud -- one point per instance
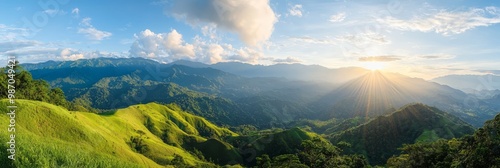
(162, 45)
(253, 20)
(339, 17)
(69, 54)
(169, 47)
(288, 60)
(296, 10)
(447, 22)
(383, 58)
(247, 55)
(91, 32)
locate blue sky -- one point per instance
(416, 38)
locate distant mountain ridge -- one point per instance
(274, 99)
(290, 71)
(379, 93)
(470, 83)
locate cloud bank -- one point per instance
(169, 47)
(447, 22)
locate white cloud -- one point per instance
(210, 31)
(68, 54)
(40, 53)
(86, 22)
(13, 45)
(91, 32)
(53, 12)
(339, 17)
(253, 20)
(8, 33)
(75, 11)
(176, 45)
(215, 52)
(246, 54)
(447, 22)
(296, 10)
(168, 47)
(307, 39)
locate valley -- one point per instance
(133, 112)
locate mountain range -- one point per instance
(134, 112)
(470, 83)
(238, 90)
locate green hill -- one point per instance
(270, 143)
(51, 136)
(479, 150)
(380, 138)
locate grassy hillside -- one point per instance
(51, 136)
(379, 138)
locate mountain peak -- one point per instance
(189, 63)
(382, 136)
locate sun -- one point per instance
(374, 65)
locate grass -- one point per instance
(51, 136)
(427, 136)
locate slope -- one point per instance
(379, 138)
(479, 150)
(377, 93)
(216, 95)
(49, 136)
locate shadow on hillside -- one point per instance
(108, 113)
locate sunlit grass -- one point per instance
(51, 136)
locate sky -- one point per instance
(423, 39)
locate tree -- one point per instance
(287, 160)
(479, 150)
(263, 161)
(178, 162)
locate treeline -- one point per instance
(28, 88)
(479, 150)
(317, 153)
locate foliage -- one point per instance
(46, 134)
(479, 150)
(28, 88)
(317, 153)
(380, 138)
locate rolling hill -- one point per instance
(145, 135)
(49, 136)
(381, 137)
(259, 99)
(225, 98)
